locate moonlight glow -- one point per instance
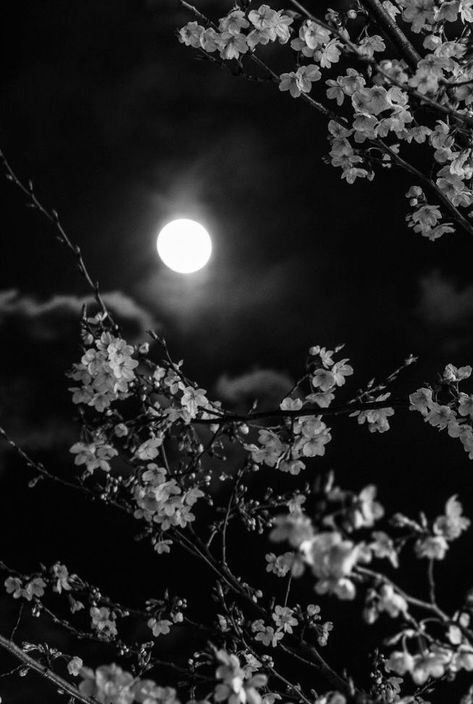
(184, 246)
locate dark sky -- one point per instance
(121, 128)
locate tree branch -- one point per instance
(423, 99)
(429, 184)
(299, 649)
(393, 31)
(45, 671)
(419, 603)
(52, 217)
(309, 411)
(46, 474)
(328, 114)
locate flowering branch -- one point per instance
(224, 418)
(393, 31)
(371, 61)
(381, 86)
(414, 601)
(43, 670)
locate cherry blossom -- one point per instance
(74, 666)
(159, 627)
(284, 619)
(105, 371)
(103, 621)
(94, 455)
(300, 81)
(267, 635)
(236, 687)
(29, 590)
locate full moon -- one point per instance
(184, 246)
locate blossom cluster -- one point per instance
(33, 587)
(237, 33)
(103, 614)
(432, 662)
(376, 418)
(29, 590)
(95, 454)
(105, 372)
(434, 543)
(380, 99)
(330, 555)
(312, 436)
(337, 562)
(103, 622)
(281, 565)
(110, 684)
(178, 399)
(387, 600)
(162, 500)
(305, 436)
(284, 622)
(447, 408)
(234, 684)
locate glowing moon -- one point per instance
(184, 246)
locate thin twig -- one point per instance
(298, 648)
(46, 474)
(432, 607)
(227, 514)
(52, 217)
(15, 627)
(431, 578)
(288, 589)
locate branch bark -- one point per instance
(393, 31)
(44, 671)
(309, 411)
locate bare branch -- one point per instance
(52, 217)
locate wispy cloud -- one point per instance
(443, 303)
(267, 386)
(57, 316)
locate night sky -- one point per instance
(121, 128)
